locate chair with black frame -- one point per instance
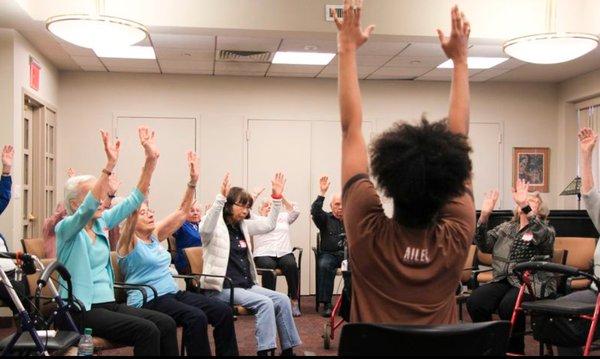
(317, 253)
(195, 259)
(466, 280)
(581, 256)
(546, 312)
(467, 339)
(34, 246)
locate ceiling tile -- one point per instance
(180, 41)
(331, 71)
(247, 43)
(87, 61)
(97, 68)
(76, 50)
(417, 61)
(510, 64)
(367, 60)
(290, 74)
(487, 51)
(301, 45)
(419, 49)
(184, 54)
(130, 65)
(444, 74)
(193, 71)
(295, 69)
(242, 73)
(383, 48)
(174, 66)
(389, 72)
(487, 75)
(240, 68)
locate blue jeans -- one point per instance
(327, 267)
(273, 310)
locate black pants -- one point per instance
(327, 266)
(150, 333)
(194, 311)
(499, 296)
(288, 266)
(21, 289)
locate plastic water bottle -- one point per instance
(86, 344)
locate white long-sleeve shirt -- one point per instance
(277, 243)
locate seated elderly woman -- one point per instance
(187, 236)
(273, 250)
(527, 235)
(226, 230)
(83, 247)
(143, 260)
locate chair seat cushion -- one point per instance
(566, 307)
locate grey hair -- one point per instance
(72, 190)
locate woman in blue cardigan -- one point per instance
(83, 247)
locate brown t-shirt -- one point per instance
(402, 275)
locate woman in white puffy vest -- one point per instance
(225, 231)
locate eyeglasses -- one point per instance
(243, 205)
(144, 212)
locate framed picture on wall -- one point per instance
(533, 165)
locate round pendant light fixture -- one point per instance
(96, 31)
(552, 46)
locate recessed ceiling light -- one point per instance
(127, 52)
(476, 62)
(302, 58)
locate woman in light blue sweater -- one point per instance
(83, 247)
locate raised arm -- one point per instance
(120, 212)
(8, 153)
(211, 218)
(71, 225)
(587, 143)
(350, 38)
(317, 213)
(485, 239)
(456, 48)
(173, 221)
(263, 225)
(292, 209)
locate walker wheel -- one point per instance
(327, 336)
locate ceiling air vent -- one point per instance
(339, 9)
(244, 56)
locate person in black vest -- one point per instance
(333, 240)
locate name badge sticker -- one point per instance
(243, 244)
(528, 237)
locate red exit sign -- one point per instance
(34, 73)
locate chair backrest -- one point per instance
(34, 246)
(560, 256)
(468, 269)
(580, 249)
(172, 246)
(120, 295)
(467, 339)
(484, 258)
(45, 305)
(195, 257)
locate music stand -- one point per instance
(572, 189)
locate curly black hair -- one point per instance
(421, 167)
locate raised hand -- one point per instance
(113, 184)
(111, 150)
(192, 159)
(225, 185)
(8, 153)
(587, 140)
(277, 184)
(70, 172)
(521, 192)
(324, 185)
(489, 201)
(256, 192)
(350, 34)
(148, 141)
(456, 46)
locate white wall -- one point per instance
(570, 92)
(14, 77)
(88, 102)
